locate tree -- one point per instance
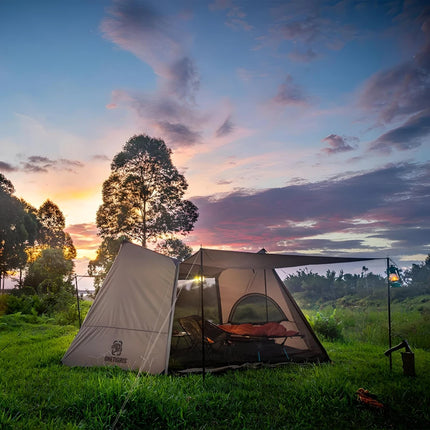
(175, 248)
(52, 234)
(143, 196)
(50, 273)
(18, 229)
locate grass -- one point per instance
(38, 392)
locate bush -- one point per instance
(327, 326)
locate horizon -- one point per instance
(300, 127)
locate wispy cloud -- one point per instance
(408, 136)
(7, 167)
(235, 15)
(157, 40)
(289, 93)
(41, 164)
(310, 27)
(225, 128)
(403, 89)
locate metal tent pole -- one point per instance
(77, 300)
(203, 315)
(389, 309)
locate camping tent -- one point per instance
(216, 308)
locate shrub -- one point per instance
(327, 326)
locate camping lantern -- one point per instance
(394, 277)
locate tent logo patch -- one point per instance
(117, 347)
(116, 351)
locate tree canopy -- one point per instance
(18, 228)
(143, 196)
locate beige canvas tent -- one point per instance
(217, 308)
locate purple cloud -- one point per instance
(311, 27)
(404, 89)
(41, 164)
(409, 135)
(226, 128)
(152, 37)
(290, 93)
(387, 204)
(235, 14)
(179, 133)
(6, 167)
(338, 144)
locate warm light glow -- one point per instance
(198, 279)
(394, 277)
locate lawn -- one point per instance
(37, 391)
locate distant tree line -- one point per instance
(314, 289)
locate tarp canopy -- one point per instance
(215, 261)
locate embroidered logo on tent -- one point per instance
(117, 347)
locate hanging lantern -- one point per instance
(394, 277)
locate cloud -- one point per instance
(309, 28)
(290, 93)
(84, 235)
(41, 164)
(100, 157)
(375, 210)
(155, 39)
(159, 41)
(179, 133)
(183, 78)
(338, 144)
(6, 167)
(225, 128)
(408, 136)
(303, 56)
(235, 14)
(403, 89)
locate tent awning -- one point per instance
(215, 261)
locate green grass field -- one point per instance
(37, 392)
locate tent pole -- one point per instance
(77, 300)
(172, 315)
(265, 293)
(203, 314)
(389, 310)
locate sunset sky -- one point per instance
(300, 126)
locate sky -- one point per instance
(300, 126)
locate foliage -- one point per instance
(18, 228)
(51, 272)
(99, 267)
(294, 396)
(175, 248)
(143, 196)
(327, 325)
(313, 289)
(52, 234)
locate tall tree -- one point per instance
(143, 196)
(52, 234)
(18, 228)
